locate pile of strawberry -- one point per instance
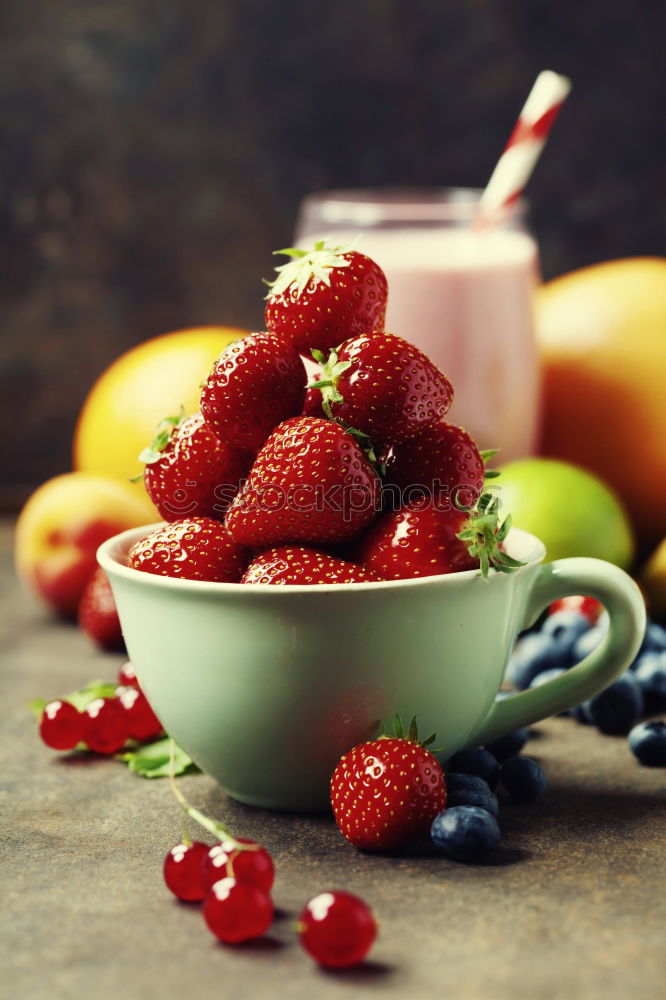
(355, 476)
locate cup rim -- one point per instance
(531, 549)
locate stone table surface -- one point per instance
(573, 905)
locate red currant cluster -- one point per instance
(234, 879)
(105, 724)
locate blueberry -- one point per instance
(466, 833)
(523, 778)
(531, 655)
(581, 713)
(546, 676)
(509, 745)
(648, 743)
(474, 797)
(457, 782)
(650, 672)
(565, 627)
(654, 640)
(476, 761)
(618, 707)
(587, 642)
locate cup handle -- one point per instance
(624, 603)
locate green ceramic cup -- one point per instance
(266, 687)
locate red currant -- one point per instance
(106, 729)
(589, 607)
(253, 867)
(142, 722)
(182, 870)
(61, 726)
(236, 911)
(127, 675)
(337, 929)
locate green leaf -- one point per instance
(487, 454)
(492, 473)
(154, 760)
(413, 731)
(397, 727)
(318, 355)
(96, 689)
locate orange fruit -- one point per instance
(144, 385)
(602, 334)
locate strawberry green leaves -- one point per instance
(331, 370)
(165, 429)
(307, 266)
(486, 456)
(484, 534)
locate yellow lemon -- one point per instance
(144, 385)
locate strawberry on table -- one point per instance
(387, 792)
(440, 460)
(97, 613)
(383, 386)
(189, 471)
(325, 295)
(430, 537)
(197, 548)
(310, 483)
(255, 384)
(296, 564)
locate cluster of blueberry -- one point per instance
(564, 639)
(468, 829)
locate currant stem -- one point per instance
(212, 826)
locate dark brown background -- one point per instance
(154, 152)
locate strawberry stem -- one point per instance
(483, 534)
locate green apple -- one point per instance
(573, 512)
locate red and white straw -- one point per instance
(523, 149)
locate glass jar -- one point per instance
(461, 293)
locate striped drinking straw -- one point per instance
(523, 149)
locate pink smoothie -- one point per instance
(466, 299)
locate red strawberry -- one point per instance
(324, 296)
(310, 483)
(387, 792)
(384, 386)
(189, 471)
(295, 564)
(198, 548)
(255, 384)
(442, 460)
(429, 537)
(97, 613)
